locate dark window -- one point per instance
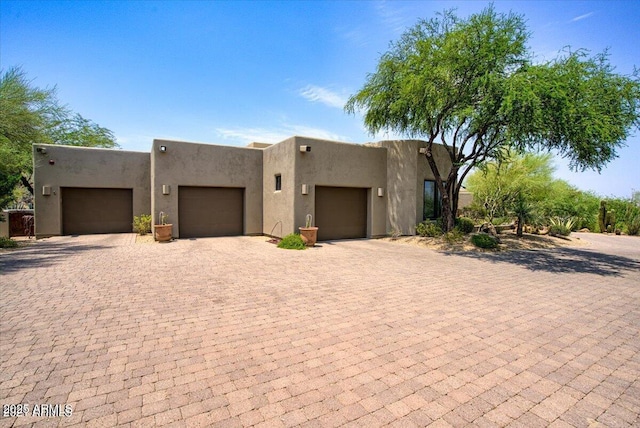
(278, 182)
(432, 201)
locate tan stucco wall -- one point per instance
(395, 166)
(465, 199)
(86, 167)
(4, 224)
(407, 169)
(331, 163)
(259, 145)
(278, 217)
(192, 164)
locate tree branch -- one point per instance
(455, 135)
(26, 184)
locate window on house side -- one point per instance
(278, 182)
(432, 201)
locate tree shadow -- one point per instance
(39, 255)
(561, 260)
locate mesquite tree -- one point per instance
(471, 85)
(31, 115)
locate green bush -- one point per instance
(625, 212)
(7, 242)
(498, 221)
(293, 241)
(561, 227)
(428, 229)
(633, 227)
(464, 225)
(559, 230)
(142, 224)
(456, 235)
(484, 240)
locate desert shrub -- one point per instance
(563, 200)
(476, 211)
(395, 234)
(293, 241)
(142, 224)
(428, 229)
(502, 220)
(464, 225)
(456, 235)
(7, 242)
(484, 240)
(559, 230)
(633, 227)
(626, 210)
(560, 226)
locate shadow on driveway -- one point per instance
(40, 254)
(562, 260)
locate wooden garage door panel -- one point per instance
(91, 210)
(341, 212)
(210, 211)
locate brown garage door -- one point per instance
(341, 212)
(210, 211)
(89, 210)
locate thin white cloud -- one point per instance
(276, 134)
(392, 16)
(357, 36)
(581, 17)
(318, 94)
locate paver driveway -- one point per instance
(233, 331)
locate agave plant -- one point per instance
(561, 226)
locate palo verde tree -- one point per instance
(472, 86)
(515, 184)
(33, 115)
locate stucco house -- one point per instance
(351, 190)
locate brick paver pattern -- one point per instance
(236, 332)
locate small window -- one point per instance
(278, 182)
(432, 201)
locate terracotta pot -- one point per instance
(163, 232)
(309, 235)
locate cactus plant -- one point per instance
(602, 214)
(611, 219)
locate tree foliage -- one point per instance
(523, 186)
(566, 201)
(34, 115)
(471, 85)
(514, 185)
(627, 212)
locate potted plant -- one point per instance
(309, 233)
(163, 230)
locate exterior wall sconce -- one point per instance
(423, 150)
(166, 189)
(46, 190)
(304, 149)
(163, 149)
(380, 192)
(52, 162)
(305, 189)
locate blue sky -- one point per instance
(236, 72)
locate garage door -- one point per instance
(89, 210)
(341, 212)
(210, 211)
